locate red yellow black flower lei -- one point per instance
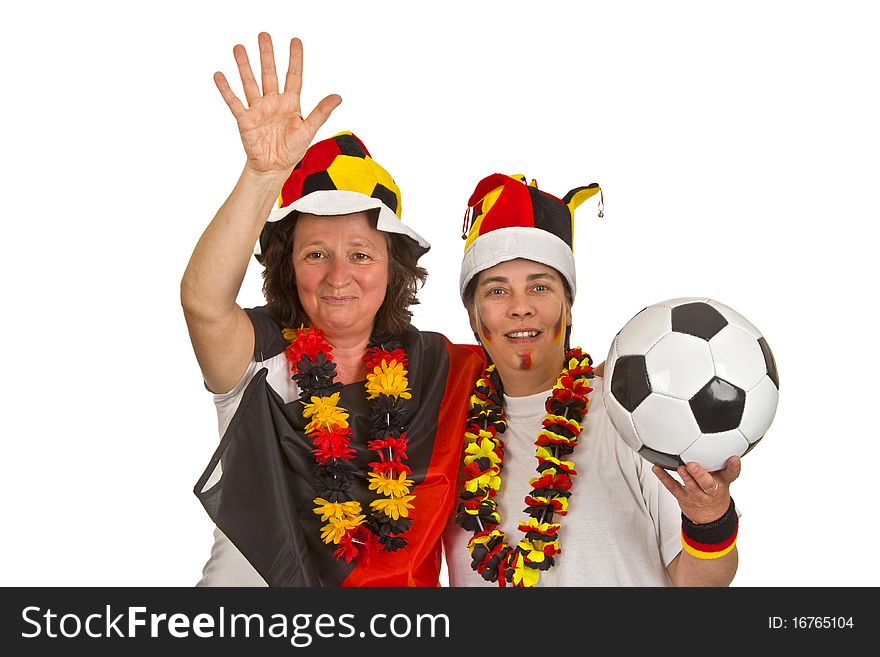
(491, 556)
(354, 531)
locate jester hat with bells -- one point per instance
(507, 219)
(337, 176)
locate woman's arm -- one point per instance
(704, 498)
(275, 137)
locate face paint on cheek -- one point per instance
(559, 327)
(485, 333)
(525, 360)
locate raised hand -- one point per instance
(703, 496)
(273, 131)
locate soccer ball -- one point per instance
(690, 380)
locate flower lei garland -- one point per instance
(354, 531)
(491, 556)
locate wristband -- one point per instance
(710, 540)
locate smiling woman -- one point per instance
(341, 269)
(521, 309)
(339, 419)
(595, 515)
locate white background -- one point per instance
(736, 144)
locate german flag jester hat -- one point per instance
(508, 219)
(338, 176)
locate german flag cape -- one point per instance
(263, 498)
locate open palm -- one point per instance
(273, 131)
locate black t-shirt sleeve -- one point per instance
(268, 339)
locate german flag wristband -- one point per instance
(712, 539)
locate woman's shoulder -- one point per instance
(268, 337)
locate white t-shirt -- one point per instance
(227, 566)
(622, 528)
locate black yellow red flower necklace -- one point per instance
(491, 555)
(347, 525)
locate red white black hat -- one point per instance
(508, 219)
(338, 176)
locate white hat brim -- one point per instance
(335, 202)
(503, 244)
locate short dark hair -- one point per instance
(393, 318)
(471, 289)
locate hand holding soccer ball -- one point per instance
(690, 380)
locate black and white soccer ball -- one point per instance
(690, 379)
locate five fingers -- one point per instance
(269, 77)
